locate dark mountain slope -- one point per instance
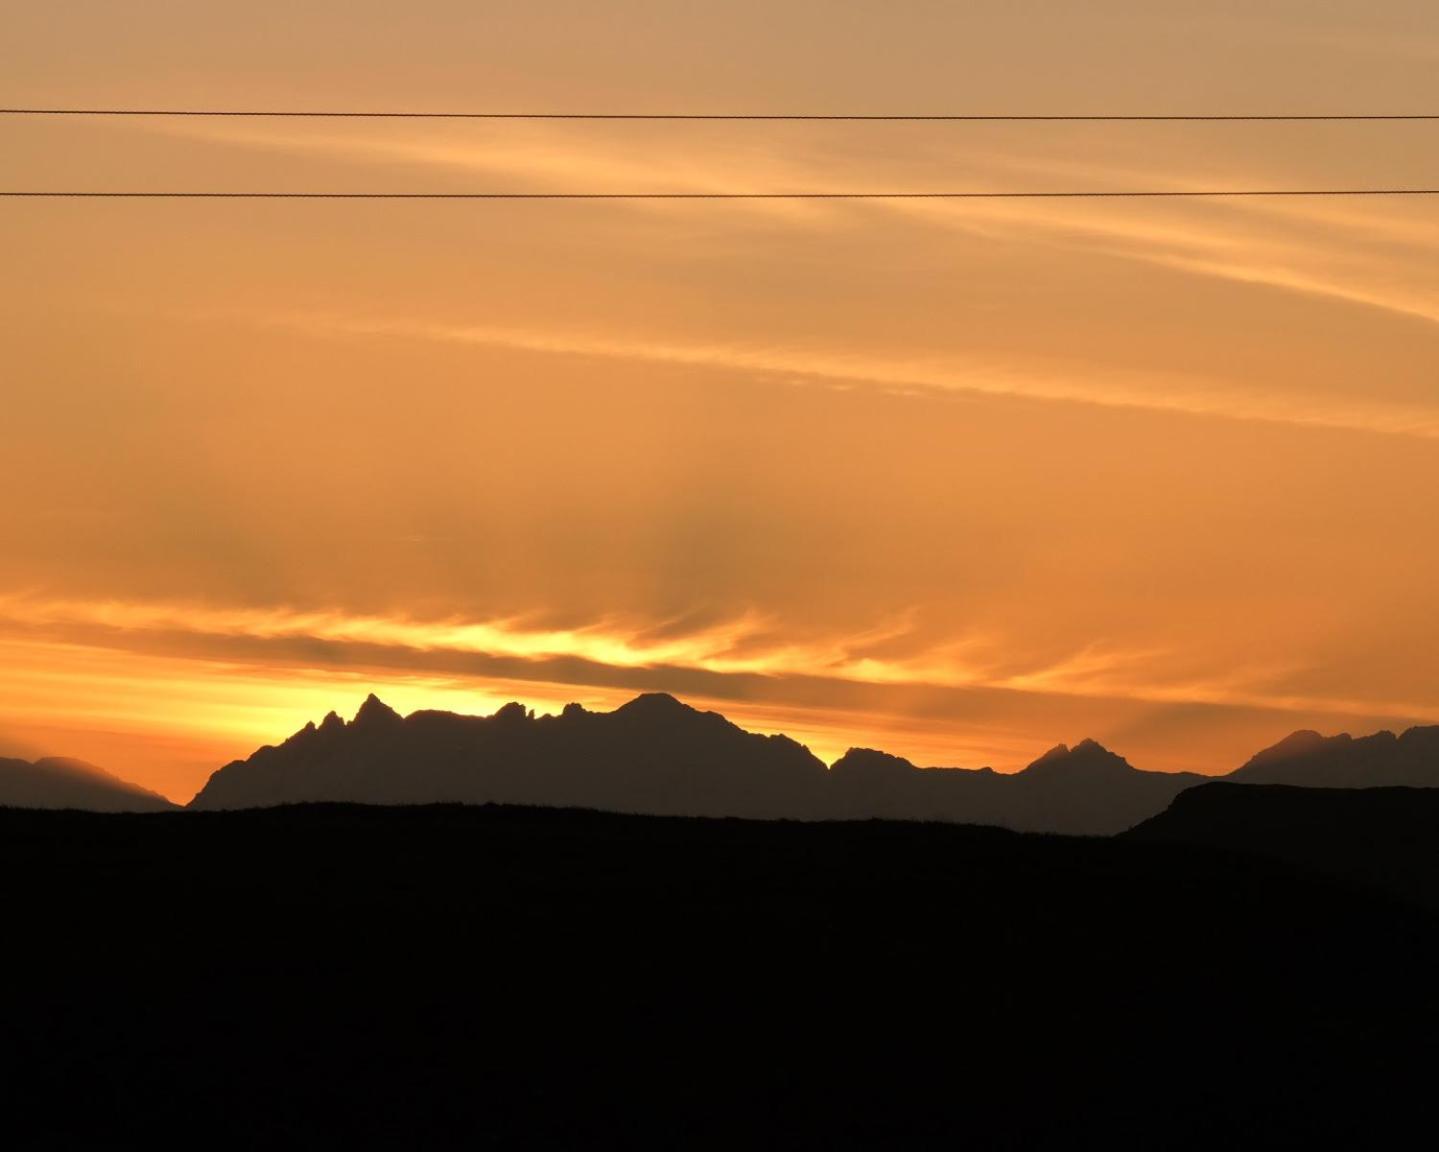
(58, 783)
(1309, 760)
(1387, 837)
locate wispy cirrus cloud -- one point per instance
(1375, 257)
(1147, 391)
(1298, 250)
(1323, 249)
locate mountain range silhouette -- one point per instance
(1383, 760)
(658, 756)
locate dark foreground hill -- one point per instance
(57, 783)
(1384, 837)
(458, 977)
(658, 756)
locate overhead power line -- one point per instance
(1223, 193)
(975, 118)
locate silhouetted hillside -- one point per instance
(463, 977)
(57, 783)
(1084, 790)
(656, 755)
(1309, 760)
(1388, 837)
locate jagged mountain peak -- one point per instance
(512, 713)
(1086, 754)
(375, 713)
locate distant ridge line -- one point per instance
(1118, 194)
(796, 117)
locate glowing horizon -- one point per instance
(238, 678)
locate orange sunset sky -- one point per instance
(959, 480)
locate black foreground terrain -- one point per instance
(435, 977)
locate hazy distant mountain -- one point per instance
(1310, 760)
(1082, 790)
(657, 755)
(57, 783)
